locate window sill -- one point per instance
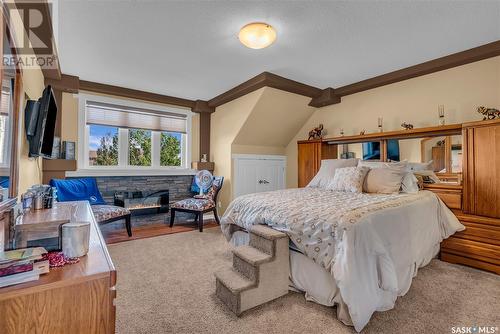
(130, 172)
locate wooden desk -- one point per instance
(76, 298)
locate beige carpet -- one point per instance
(166, 285)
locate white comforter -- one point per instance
(368, 258)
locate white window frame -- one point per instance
(84, 169)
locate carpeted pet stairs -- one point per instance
(260, 271)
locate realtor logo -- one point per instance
(474, 330)
(34, 46)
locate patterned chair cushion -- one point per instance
(105, 212)
(198, 204)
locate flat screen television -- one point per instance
(371, 150)
(40, 122)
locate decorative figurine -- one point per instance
(342, 132)
(316, 133)
(361, 133)
(441, 114)
(406, 126)
(380, 124)
(488, 113)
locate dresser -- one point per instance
(479, 245)
(76, 298)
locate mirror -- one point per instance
(441, 154)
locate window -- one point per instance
(103, 145)
(139, 147)
(170, 149)
(126, 135)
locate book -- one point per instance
(22, 254)
(38, 268)
(16, 267)
(19, 278)
(42, 267)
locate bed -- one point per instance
(358, 251)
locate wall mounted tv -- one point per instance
(40, 122)
(371, 150)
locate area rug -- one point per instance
(166, 285)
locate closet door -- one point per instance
(253, 174)
(270, 175)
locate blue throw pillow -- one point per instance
(84, 189)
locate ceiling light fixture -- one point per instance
(257, 35)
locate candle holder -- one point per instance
(380, 124)
(441, 114)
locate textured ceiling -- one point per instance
(190, 49)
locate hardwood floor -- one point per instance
(153, 230)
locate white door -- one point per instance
(258, 173)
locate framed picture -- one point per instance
(68, 150)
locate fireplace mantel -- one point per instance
(130, 172)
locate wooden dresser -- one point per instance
(76, 298)
(479, 245)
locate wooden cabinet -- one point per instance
(479, 245)
(310, 154)
(450, 194)
(482, 168)
(76, 298)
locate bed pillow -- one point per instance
(410, 184)
(400, 165)
(383, 181)
(327, 171)
(348, 179)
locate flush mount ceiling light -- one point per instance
(257, 35)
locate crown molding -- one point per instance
(265, 79)
(135, 94)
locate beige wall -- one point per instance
(459, 89)
(33, 85)
(69, 130)
(225, 124)
(262, 122)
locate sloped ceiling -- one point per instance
(275, 119)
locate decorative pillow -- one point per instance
(383, 181)
(400, 165)
(327, 171)
(348, 179)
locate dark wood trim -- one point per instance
(205, 134)
(457, 59)
(67, 83)
(201, 106)
(328, 96)
(265, 79)
(134, 94)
